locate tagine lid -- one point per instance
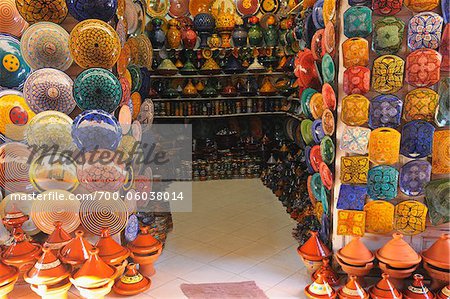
(352, 290)
(76, 251)
(398, 253)
(439, 253)
(109, 250)
(320, 289)
(132, 282)
(144, 243)
(328, 274)
(59, 237)
(444, 293)
(314, 249)
(7, 273)
(21, 250)
(384, 289)
(94, 272)
(355, 253)
(417, 290)
(48, 270)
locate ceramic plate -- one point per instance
(178, 8)
(247, 7)
(13, 69)
(269, 6)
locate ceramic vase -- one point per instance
(271, 33)
(204, 23)
(157, 35)
(189, 37)
(173, 35)
(240, 36)
(255, 34)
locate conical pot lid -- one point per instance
(398, 253)
(132, 282)
(355, 253)
(417, 290)
(444, 293)
(48, 270)
(255, 66)
(327, 272)
(167, 64)
(352, 290)
(314, 249)
(76, 251)
(384, 289)
(94, 272)
(188, 67)
(21, 250)
(439, 253)
(59, 237)
(320, 289)
(7, 273)
(109, 250)
(144, 243)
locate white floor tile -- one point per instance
(207, 274)
(267, 274)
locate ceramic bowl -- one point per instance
(11, 22)
(13, 69)
(34, 11)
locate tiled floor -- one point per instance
(237, 231)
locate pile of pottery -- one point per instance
(436, 261)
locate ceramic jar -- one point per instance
(271, 33)
(76, 252)
(111, 252)
(189, 37)
(255, 34)
(8, 278)
(174, 34)
(204, 24)
(352, 290)
(145, 250)
(132, 282)
(436, 261)
(312, 252)
(418, 290)
(225, 24)
(214, 41)
(157, 35)
(240, 36)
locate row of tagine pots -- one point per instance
(61, 261)
(397, 259)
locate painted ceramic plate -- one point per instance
(33, 11)
(13, 69)
(132, 228)
(269, 6)
(11, 22)
(82, 10)
(14, 116)
(199, 6)
(247, 7)
(157, 8)
(14, 167)
(135, 16)
(178, 8)
(125, 119)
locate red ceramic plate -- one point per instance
(247, 7)
(326, 175)
(308, 72)
(329, 96)
(178, 8)
(316, 44)
(315, 157)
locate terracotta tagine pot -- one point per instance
(8, 278)
(328, 274)
(95, 278)
(132, 282)
(355, 259)
(76, 252)
(111, 252)
(444, 293)
(319, 289)
(384, 289)
(58, 238)
(49, 277)
(398, 259)
(436, 260)
(352, 290)
(313, 252)
(21, 254)
(418, 290)
(145, 250)
(14, 220)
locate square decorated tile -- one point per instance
(351, 223)
(351, 197)
(354, 169)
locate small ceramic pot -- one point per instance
(239, 36)
(327, 272)
(384, 289)
(132, 282)
(444, 293)
(417, 290)
(145, 250)
(352, 290)
(319, 289)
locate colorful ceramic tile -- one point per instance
(423, 68)
(444, 49)
(351, 223)
(328, 68)
(356, 80)
(437, 193)
(424, 31)
(410, 217)
(421, 5)
(417, 139)
(385, 111)
(441, 152)
(382, 182)
(387, 74)
(357, 21)
(351, 197)
(443, 114)
(445, 8)
(354, 169)
(384, 146)
(379, 217)
(388, 35)
(387, 7)
(414, 176)
(356, 52)
(420, 103)
(355, 140)
(355, 110)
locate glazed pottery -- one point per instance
(410, 217)
(351, 197)
(8, 278)
(424, 31)
(329, 97)
(422, 68)
(444, 293)
(414, 176)
(145, 250)
(178, 8)
(13, 70)
(385, 111)
(388, 35)
(316, 105)
(33, 11)
(436, 194)
(327, 272)
(384, 146)
(398, 254)
(382, 182)
(418, 289)
(418, 6)
(99, 9)
(136, 77)
(94, 43)
(255, 34)
(444, 49)
(351, 223)
(132, 282)
(379, 217)
(225, 22)
(215, 42)
(356, 80)
(111, 252)
(174, 34)
(328, 68)
(247, 8)
(189, 37)
(157, 35)
(440, 154)
(11, 22)
(356, 52)
(355, 140)
(319, 289)
(45, 45)
(355, 110)
(354, 169)
(420, 103)
(312, 252)
(49, 89)
(76, 252)
(58, 238)
(239, 36)
(387, 74)
(357, 21)
(204, 24)
(271, 32)
(417, 139)
(14, 220)
(384, 289)
(317, 14)
(157, 8)
(166, 67)
(352, 290)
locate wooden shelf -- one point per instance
(298, 117)
(155, 75)
(219, 98)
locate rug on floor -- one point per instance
(244, 289)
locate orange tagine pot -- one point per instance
(111, 252)
(352, 290)
(145, 250)
(76, 252)
(312, 252)
(58, 238)
(444, 293)
(436, 261)
(132, 282)
(327, 272)
(319, 289)
(8, 278)
(418, 290)
(384, 289)
(14, 220)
